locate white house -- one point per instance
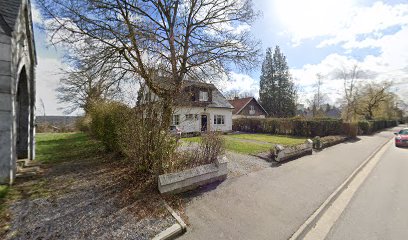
(202, 107)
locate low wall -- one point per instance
(190, 179)
(285, 154)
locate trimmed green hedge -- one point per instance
(309, 127)
(372, 126)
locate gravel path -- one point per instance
(240, 164)
(87, 200)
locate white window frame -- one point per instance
(219, 120)
(203, 96)
(190, 117)
(175, 120)
(251, 109)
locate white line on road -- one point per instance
(330, 216)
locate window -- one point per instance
(175, 120)
(190, 117)
(218, 119)
(251, 110)
(203, 96)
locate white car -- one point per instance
(174, 130)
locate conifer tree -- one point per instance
(277, 93)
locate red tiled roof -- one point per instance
(240, 103)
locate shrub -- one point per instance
(136, 133)
(210, 146)
(83, 124)
(107, 117)
(289, 126)
(350, 129)
(367, 127)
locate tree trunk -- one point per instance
(167, 112)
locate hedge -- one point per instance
(309, 127)
(372, 126)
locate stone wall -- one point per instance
(17, 92)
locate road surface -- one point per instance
(379, 209)
(274, 202)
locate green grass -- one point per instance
(253, 143)
(246, 147)
(275, 139)
(3, 191)
(59, 147)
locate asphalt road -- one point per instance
(274, 202)
(379, 209)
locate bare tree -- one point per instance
(83, 86)
(350, 79)
(370, 96)
(160, 41)
(232, 94)
(319, 97)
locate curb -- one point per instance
(175, 230)
(312, 220)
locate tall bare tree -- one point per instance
(350, 79)
(81, 87)
(319, 97)
(160, 41)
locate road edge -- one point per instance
(314, 218)
(173, 231)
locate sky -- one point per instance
(316, 36)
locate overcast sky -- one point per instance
(317, 36)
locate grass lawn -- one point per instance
(253, 143)
(275, 139)
(3, 191)
(59, 147)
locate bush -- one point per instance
(350, 129)
(289, 126)
(133, 133)
(367, 127)
(310, 127)
(83, 124)
(106, 119)
(211, 145)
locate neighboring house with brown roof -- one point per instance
(247, 107)
(17, 86)
(201, 107)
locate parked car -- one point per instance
(401, 138)
(174, 130)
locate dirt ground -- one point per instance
(90, 199)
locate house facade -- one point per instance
(201, 107)
(17, 86)
(247, 107)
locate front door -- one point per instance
(203, 123)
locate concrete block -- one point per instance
(5, 52)
(5, 38)
(284, 154)
(6, 121)
(192, 178)
(5, 156)
(5, 102)
(5, 83)
(5, 67)
(170, 233)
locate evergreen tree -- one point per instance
(277, 93)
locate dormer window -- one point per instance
(251, 110)
(203, 96)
